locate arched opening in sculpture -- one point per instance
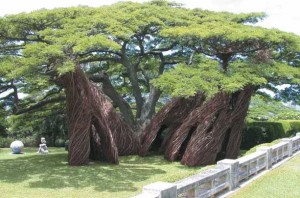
(185, 143)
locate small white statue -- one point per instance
(43, 149)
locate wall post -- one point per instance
(268, 150)
(234, 171)
(290, 145)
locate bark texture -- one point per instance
(169, 118)
(95, 130)
(199, 131)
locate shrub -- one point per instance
(67, 145)
(293, 126)
(264, 132)
(5, 142)
(30, 141)
(59, 143)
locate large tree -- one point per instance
(125, 46)
(245, 57)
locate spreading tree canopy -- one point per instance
(115, 62)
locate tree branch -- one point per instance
(98, 58)
(160, 50)
(40, 104)
(99, 51)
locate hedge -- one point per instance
(28, 142)
(264, 132)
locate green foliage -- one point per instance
(263, 132)
(3, 122)
(27, 141)
(289, 94)
(5, 142)
(60, 143)
(207, 76)
(264, 108)
(186, 80)
(288, 115)
(60, 34)
(48, 122)
(68, 66)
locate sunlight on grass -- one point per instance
(281, 182)
(32, 175)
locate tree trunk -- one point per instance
(205, 132)
(95, 130)
(132, 75)
(148, 109)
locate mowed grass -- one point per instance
(281, 182)
(30, 175)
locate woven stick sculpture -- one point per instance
(95, 130)
(199, 132)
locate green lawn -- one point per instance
(282, 182)
(32, 175)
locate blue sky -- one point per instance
(284, 15)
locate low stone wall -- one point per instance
(227, 175)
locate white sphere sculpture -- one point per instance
(16, 146)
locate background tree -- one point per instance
(44, 100)
(289, 94)
(264, 108)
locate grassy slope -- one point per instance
(281, 182)
(32, 175)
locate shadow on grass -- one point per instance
(52, 171)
